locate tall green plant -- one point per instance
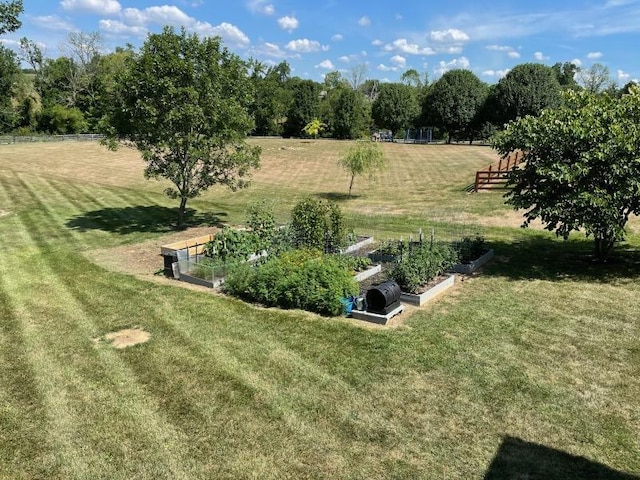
(364, 158)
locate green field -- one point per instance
(529, 370)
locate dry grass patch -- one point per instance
(127, 337)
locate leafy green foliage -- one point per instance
(9, 12)
(59, 120)
(422, 263)
(582, 169)
(351, 114)
(526, 90)
(314, 128)
(396, 107)
(231, 245)
(305, 102)
(9, 72)
(364, 158)
(316, 224)
(469, 248)
(262, 223)
(305, 279)
(183, 103)
(454, 101)
(353, 263)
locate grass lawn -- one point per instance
(530, 370)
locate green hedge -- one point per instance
(305, 279)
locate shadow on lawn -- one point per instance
(148, 218)
(546, 258)
(517, 458)
(337, 196)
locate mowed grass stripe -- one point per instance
(72, 402)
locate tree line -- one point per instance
(72, 94)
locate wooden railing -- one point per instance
(497, 173)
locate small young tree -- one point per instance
(581, 166)
(314, 128)
(182, 102)
(364, 158)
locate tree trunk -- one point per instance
(181, 210)
(603, 247)
(353, 177)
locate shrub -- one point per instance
(231, 245)
(262, 223)
(305, 279)
(317, 225)
(353, 263)
(470, 248)
(421, 264)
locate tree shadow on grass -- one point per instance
(517, 458)
(337, 196)
(546, 258)
(147, 218)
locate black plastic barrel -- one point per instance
(384, 298)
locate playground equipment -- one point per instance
(418, 135)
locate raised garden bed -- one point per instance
(467, 268)
(369, 272)
(441, 284)
(360, 243)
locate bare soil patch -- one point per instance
(127, 337)
(4, 213)
(143, 259)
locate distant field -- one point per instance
(529, 370)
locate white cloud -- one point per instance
(364, 22)
(288, 23)
(326, 64)
(229, 33)
(623, 76)
(305, 45)
(52, 22)
(513, 54)
(402, 45)
(594, 55)
(261, 6)
(268, 49)
(495, 73)
(451, 35)
(399, 61)
(577, 62)
(349, 58)
(164, 15)
(116, 27)
(338, 37)
(377, 43)
(101, 7)
(171, 15)
(456, 63)
(499, 48)
(540, 56)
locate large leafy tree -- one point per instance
(526, 90)
(351, 114)
(582, 166)
(304, 106)
(395, 107)
(454, 101)
(182, 102)
(9, 13)
(9, 73)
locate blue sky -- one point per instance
(319, 36)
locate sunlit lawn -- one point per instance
(529, 370)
